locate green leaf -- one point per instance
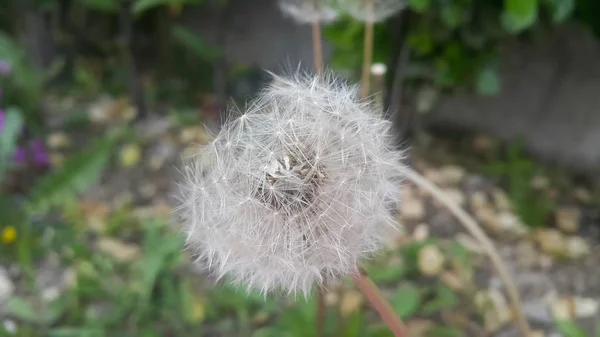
(406, 300)
(519, 15)
(561, 9)
(488, 82)
(386, 273)
(419, 6)
(267, 332)
(440, 331)
(141, 6)
(75, 176)
(75, 332)
(9, 135)
(158, 248)
(107, 6)
(22, 310)
(194, 43)
(570, 329)
(444, 298)
(453, 14)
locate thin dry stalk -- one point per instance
(367, 54)
(471, 225)
(316, 40)
(321, 311)
(383, 308)
(317, 47)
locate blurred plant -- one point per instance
(517, 171)
(453, 43)
(370, 12)
(316, 13)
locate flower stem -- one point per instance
(317, 47)
(367, 54)
(383, 308)
(471, 225)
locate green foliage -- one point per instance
(517, 172)
(406, 300)
(23, 87)
(141, 6)
(454, 43)
(570, 329)
(195, 44)
(75, 176)
(8, 138)
(519, 15)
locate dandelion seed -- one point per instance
(297, 208)
(309, 11)
(371, 11)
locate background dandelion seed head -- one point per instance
(309, 11)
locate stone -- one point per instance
(494, 309)
(58, 140)
(551, 242)
(351, 302)
(511, 224)
(412, 209)
(10, 326)
(119, 250)
(577, 247)
(421, 232)
(538, 312)
(469, 243)
(582, 195)
(451, 175)
(540, 182)
(452, 280)
(501, 200)
(6, 287)
(567, 218)
(527, 255)
(418, 327)
(430, 260)
(478, 200)
(455, 194)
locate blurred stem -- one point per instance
(317, 47)
(135, 85)
(471, 225)
(378, 302)
(367, 54)
(24, 251)
(316, 40)
(321, 311)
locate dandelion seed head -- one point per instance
(371, 10)
(295, 209)
(309, 11)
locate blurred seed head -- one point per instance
(309, 11)
(295, 190)
(371, 10)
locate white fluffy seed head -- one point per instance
(295, 190)
(309, 11)
(371, 10)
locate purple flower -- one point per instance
(20, 156)
(40, 156)
(2, 119)
(5, 67)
